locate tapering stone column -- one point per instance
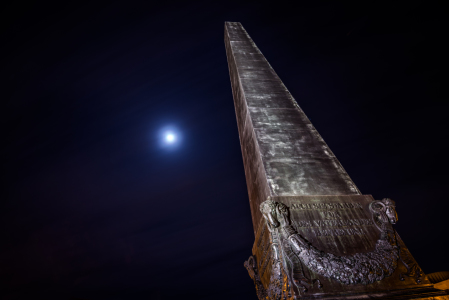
(317, 236)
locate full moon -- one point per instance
(170, 137)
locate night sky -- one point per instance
(94, 204)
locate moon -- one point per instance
(170, 138)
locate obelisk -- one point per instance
(316, 235)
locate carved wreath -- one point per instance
(363, 268)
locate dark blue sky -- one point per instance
(93, 208)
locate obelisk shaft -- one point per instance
(283, 154)
(318, 236)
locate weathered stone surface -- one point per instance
(283, 152)
(316, 235)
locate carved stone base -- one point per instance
(334, 247)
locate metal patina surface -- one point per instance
(316, 235)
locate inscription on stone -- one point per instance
(329, 215)
(327, 223)
(339, 231)
(330, 219)
(325, 206)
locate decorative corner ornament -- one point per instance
(275, 288)
(251, 267)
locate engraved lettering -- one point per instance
(325, 206)
(303, 224)
(339, 232)
(331, 215)
(334, 223)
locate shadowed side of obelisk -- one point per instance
(283, 153)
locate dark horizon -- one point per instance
(95, 206)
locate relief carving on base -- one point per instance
(292, 252)
(363, 268)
